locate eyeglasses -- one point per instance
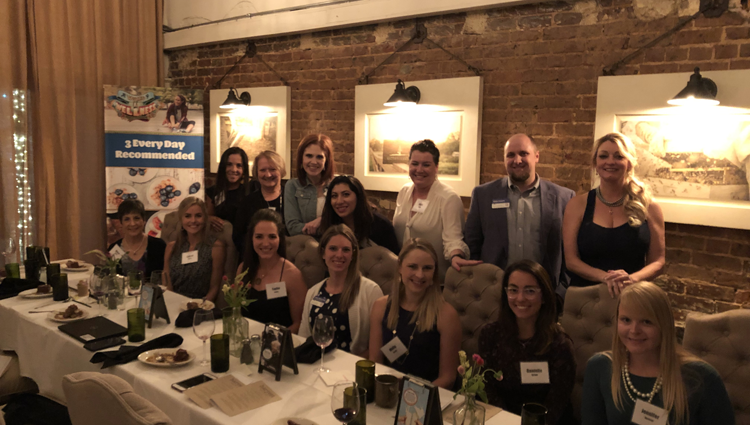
(528, 292)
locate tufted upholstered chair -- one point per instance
(11, 381)
(589, 319)
(302, 250)
(722, 340)
(475, 294)
(115, 401)
(381, 266)
(168, 234)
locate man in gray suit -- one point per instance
(518, 217)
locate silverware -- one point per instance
(43, 311)
(76, 301)
(54, 302)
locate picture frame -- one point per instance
(152, 303)
(264, 125)
(693, 170)
(419, 403)
(277, 350)
(449, 113)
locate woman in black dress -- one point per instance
(223, 199)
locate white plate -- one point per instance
(51, 316)
(148, 174)
(31, 293)
(155, 224)
(300, 421)
(152, 195)
(84, 267)
(143, 356)
(206, 305)
(114, 200)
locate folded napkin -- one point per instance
(309, 352)
(11, 286)
(128, 353)
(185, 319)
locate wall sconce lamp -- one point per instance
(233, 102)
(699, 91)
(404, 95)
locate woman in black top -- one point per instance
(232, 184)
(268, 271)
(615, 233)
(142, 253)
(346, 202)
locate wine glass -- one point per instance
(135, 281)
(203, 327)
(345, 401)
(8, 247)
(98, 292)
(156, 278)
(323, 332)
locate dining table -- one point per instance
(46, 355)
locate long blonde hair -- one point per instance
(181, 233)
(353, 276)
(637, 197)
(653, 303)
(429, 307)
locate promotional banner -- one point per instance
(154, 150)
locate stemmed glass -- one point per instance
(323, 332)
(98, 292)
(135, 281)
(8, 248)
(156, 278)
(203, 327)
(345, 401)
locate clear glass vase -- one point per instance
(236, 327)
(469, 413)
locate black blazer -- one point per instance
(154, 255)
(249, 205)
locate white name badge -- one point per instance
(500, 203)
(420, 205)
(534, 373)
(318, 301)
(275, 290)
(647, 414)
(117, 252)
(394, 349)
(189, 257)
(272, 208)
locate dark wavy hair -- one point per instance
(252, 260)
(546, 327)
(325, 143)
(362, 213)
(428, 146)
(221, 176)
(131, 207)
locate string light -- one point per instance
(22, 151)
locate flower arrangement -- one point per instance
(108, 260)
(473, 376)
(234, 293)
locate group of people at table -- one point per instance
(543, 236)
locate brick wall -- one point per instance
(540, 65)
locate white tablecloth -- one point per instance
(46, 355)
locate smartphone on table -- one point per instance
(191, 382)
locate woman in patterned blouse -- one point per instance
(527, 331)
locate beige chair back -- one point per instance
(475, 294)
(722, 340)
(589, 319)
(169, 234)
(95, 398)
(381, 266)
(302, 250)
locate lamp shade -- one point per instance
(403, 95)
(233, 102)
(699, 91)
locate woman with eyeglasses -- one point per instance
(347, 203)
(529, 347)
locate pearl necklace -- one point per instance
(630, 387)
(611, 205)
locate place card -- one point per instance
(201, 394)
(248, 397)
(332, 377)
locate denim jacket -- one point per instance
(301, 205)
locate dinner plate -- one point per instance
(84, 267)
(300, 421)
(114, 200)
(51, 316)
(205, 305)
(145, 355)
(161, 182)
(31, 293)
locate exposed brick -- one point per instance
(733, 280)
(722, 307)
(693, 272)
(568, 18)
(708, 291)
(742, 297)
(745, 50)
(535, 21)
(737, 33)
(726, 51)
(740, 250)
(701, 36)
(717, 246)
(700, 53)
(678, 256)
(670, 284)
(684, 241)
(688, 302)
(710, 261)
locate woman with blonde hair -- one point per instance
(647, 369)
(346, 295)
(417, 316)
(194, 262)
(615, 233)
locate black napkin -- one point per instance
(11, 286)
(185, 319)
(128, 353)
(309, 352)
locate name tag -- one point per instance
(318, 301)
(647, 414)
(500, 203)
(534, 373)
(272, 208)
(276, 290)
(420, 205)
(117, 252)
(394, 349)
(189, 257)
